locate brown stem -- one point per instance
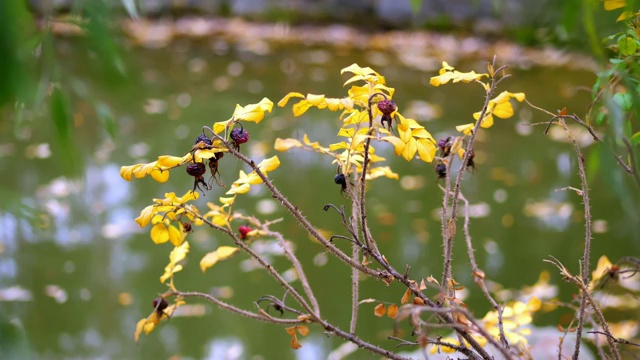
(298, 266)
(446, 273)
(223, 305)
(302, 220)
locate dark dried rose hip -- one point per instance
(204, 138)
(387, 106)
(197, 169)
(159, 304)
(239, 136)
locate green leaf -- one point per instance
(62, 117)
(600, 118)
(635, 139)
(106, 116)
(624, 100)
(627, 45)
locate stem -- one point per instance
(451, 224)
(587, 238)
(295, 212)
(260, 316)
(478, 274)
(296, 264)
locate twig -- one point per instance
(446, 273)
(260, 316)
(302, 220)
(296, 264)
(614, 339)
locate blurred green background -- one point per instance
(84, 90)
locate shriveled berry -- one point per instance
(471, 163)
(244, 230)
(441, 170)
(197, 169)
(203, 138)
(445, 146)
(442, 143)
(186, 227)
(239, 136)
(341, 180)
(159, 304)
(387, 106)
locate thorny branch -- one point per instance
(453, 199)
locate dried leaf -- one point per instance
(418, 301)
(560, 328)
(295, 345)
(451, 229)
(303, 330)
(304, 318)
(431, 279)
(392, 312)
(563, 111)
(406, 297)
(380, 310)
(291, 330)
(479, 274)
(423, 286)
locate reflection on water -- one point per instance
(77, 272)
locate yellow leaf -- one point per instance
(376, 172)
(614, 4)
(285, 100)
(626, 15)
(392, 312)
(227, 200)
(160, 175)
(177, 254)
(380, 310)
(221, 253)
(159, 233)
(301, 107)
(126, 172)
(176, 237)
(286, 144)
(398, 144)
(502, 110)
(139, 327)
(466, 129)
(602, 268)
(410, 149)
(487, 122)
(269, 164)
(426, 150)
(338, 146)
(239, 189)
(346, 132)
(167, 161)
(253, 112)
(317, 100)
(145, 216)
(220, 126)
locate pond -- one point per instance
(77, 273)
